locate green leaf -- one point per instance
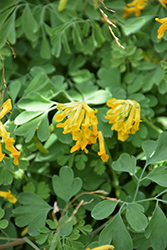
(12, 32)
(43, 129)
(6, 29)
(43, 190)
(45, 48)
(39, 84)
(156, 230)
(32, 212)
(29, 187)
(109, 77)
(64, 185)
(159, 175)
(5, 176)
(56, 49)
(157, 150)
(14, 89)
(125, 163)
(136, 218)
(65, 227)
(26, 116)
(29, 24)
(3, 224)
(116, 233)
(28, 129)
(35, 101)
(135, 24)
(98, 97)
(103, 209)
(1, 213)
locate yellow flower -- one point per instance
(134, 7)
(125, 117)
(82, 122)
(163, 3)
(102, 151)
(6, 107)
(105, 247)
(163, 27)
(7, 195)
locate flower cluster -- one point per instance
(7, 195)
(6, 107)
(163, 27)
(105, 247)
(125, 116)
(134, 7)
(82, 122)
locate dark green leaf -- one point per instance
(136, 218)
(32, 212)
(125, 163)
(116, 233)
(65, 186)
(156, 230)
(159, 175)
(103, 209)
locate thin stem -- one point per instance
(139, 180)
(30, 243)
(161, 193)
(113, 172)
(152, 125)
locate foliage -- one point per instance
(67, 52)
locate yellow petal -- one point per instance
(105, 247)
(1, 154)
(76, 147)
(16, 155)
(102, 151)
(7, 106)
(7, 195)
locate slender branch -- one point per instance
(139, 180)
(12, 244)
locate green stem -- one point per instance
(138, 184)
(152, 125)
(17, 242)
(113, 172)
(30, 243)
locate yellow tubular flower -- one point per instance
(105, 247)
(6, 107)
(102, 151)
(134, 7)
(163, 27)
(125, 117)
(7, 195)
(82, 122)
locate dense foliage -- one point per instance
(82, 124)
